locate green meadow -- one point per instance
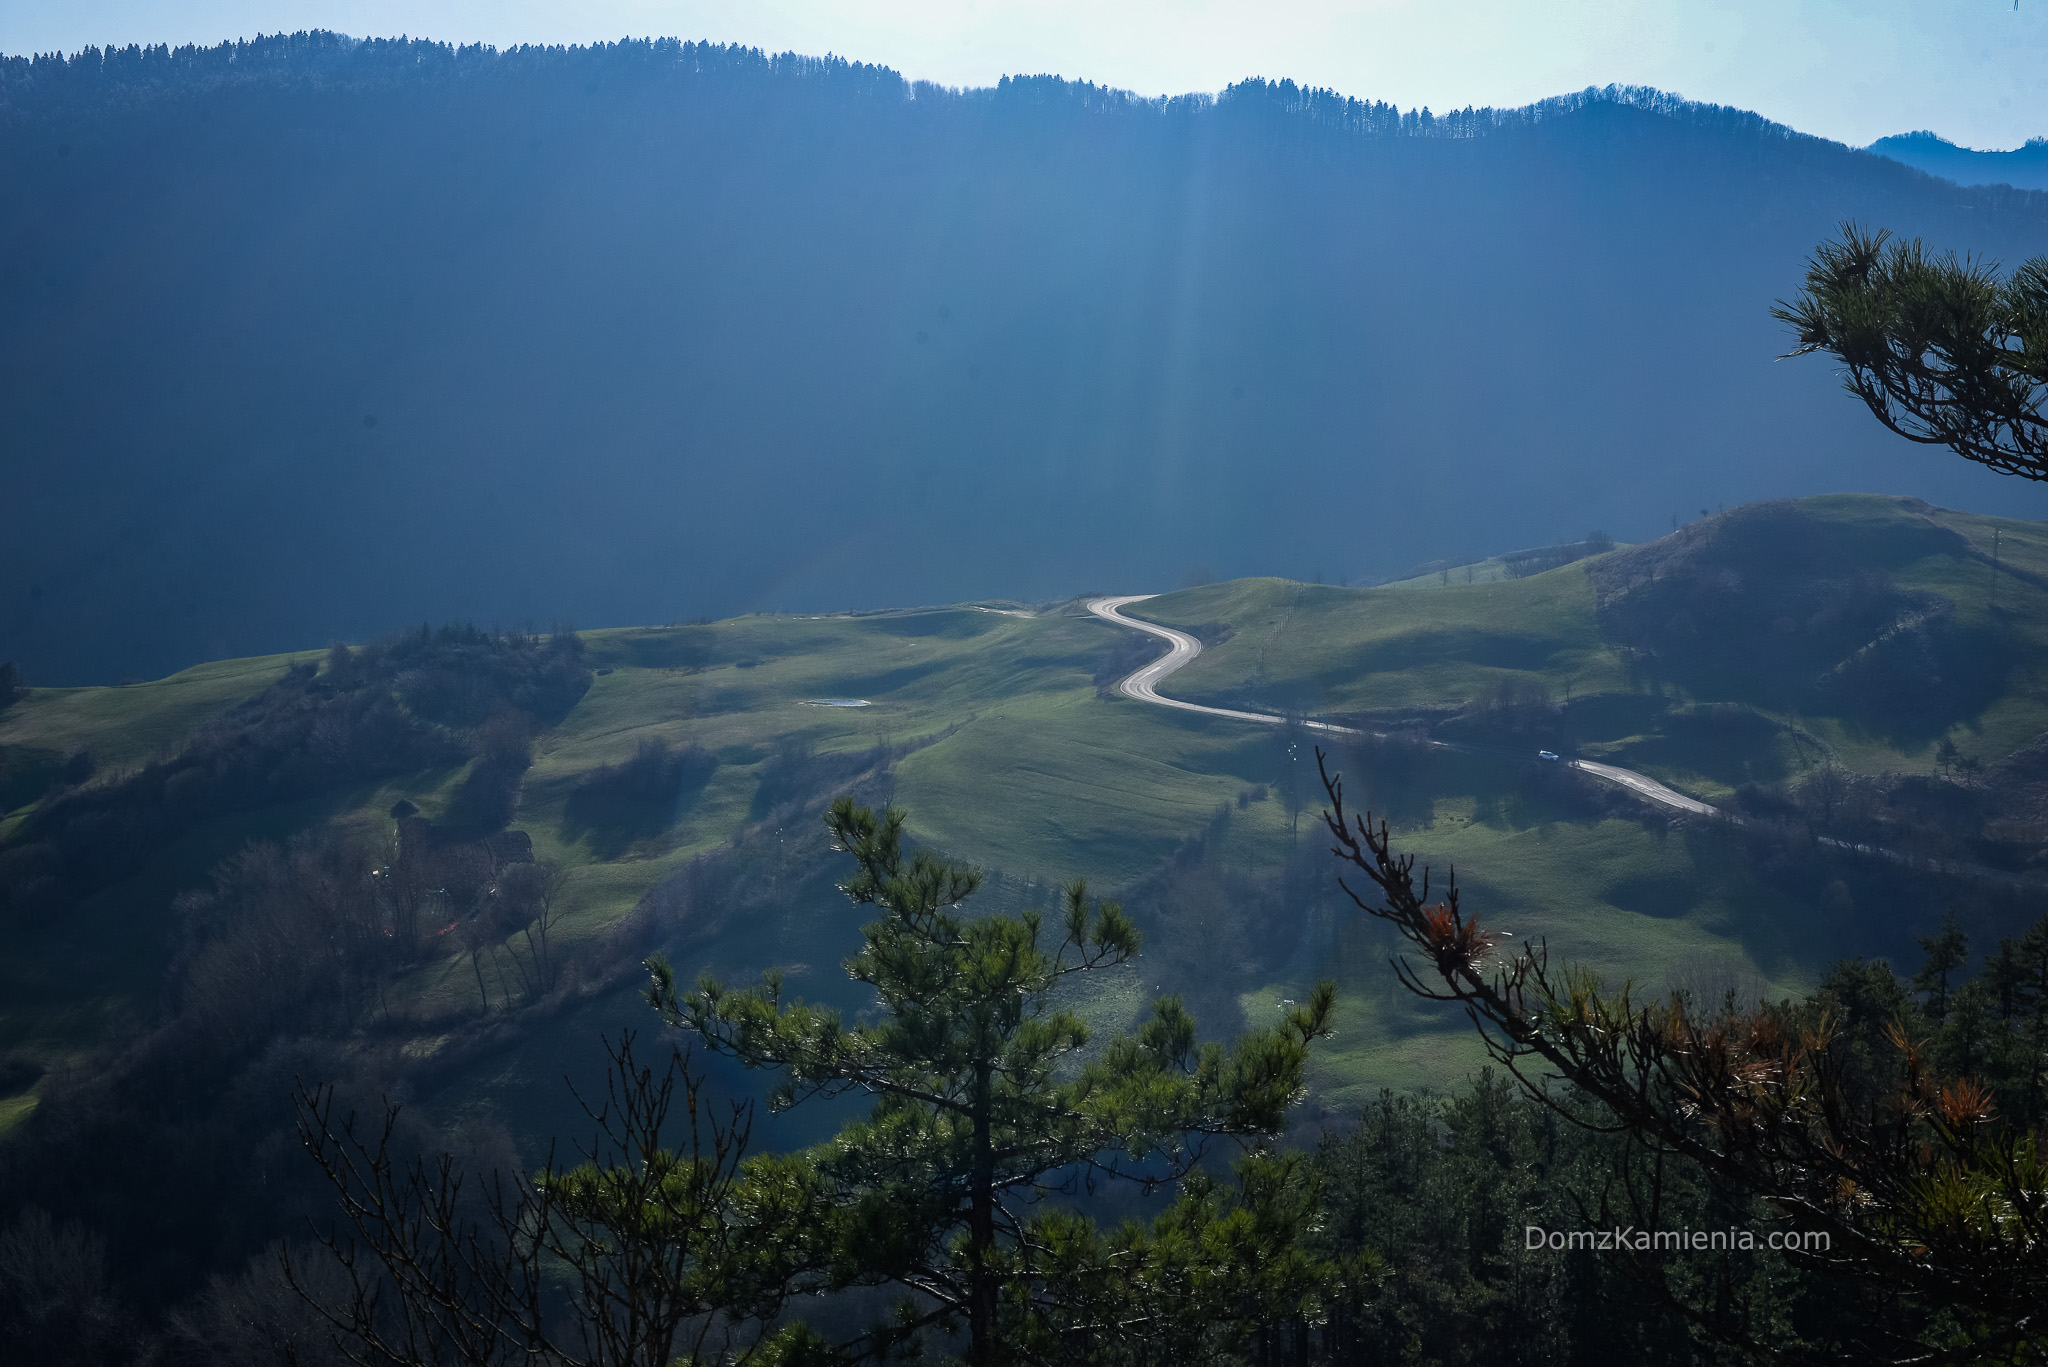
(999, 744)
(1422, 644)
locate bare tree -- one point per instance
(55, 1303)
(532, 895)
(439, 1268)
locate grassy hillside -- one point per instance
(1703, 704)
(987, 723)
(121, 726)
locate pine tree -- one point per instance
(1925, 1188)
(1943, 350)
(980, 1108)
(1947, 950)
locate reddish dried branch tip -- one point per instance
(1758, 1098)
(1965, 1102)
(1455, 940)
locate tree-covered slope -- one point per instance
(634, 759)
(311, 339)
(209, 885)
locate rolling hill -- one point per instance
(1865, 628)
(986, 721)
(431, 866)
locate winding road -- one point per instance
(1144, 686)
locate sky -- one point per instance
(1974, 71)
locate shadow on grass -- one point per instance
(1664, 896)
(26, 774)
(1728, 743)
(1438, 646)
(617, 807)
(1911, 688)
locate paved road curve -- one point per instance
(1144, 686)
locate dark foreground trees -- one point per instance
(1923, 1196)
(989, 1101)
(640, 1254)
(1901, 1142)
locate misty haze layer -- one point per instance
(309, 339)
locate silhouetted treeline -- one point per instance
(401, 330)
(1522, 564)
(1430, 1197)
(93, 81)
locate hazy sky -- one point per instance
(1975, 71)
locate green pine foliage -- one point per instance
(1944, 350)
(988, 1102)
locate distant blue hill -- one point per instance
(307, 338)
(2024, 168)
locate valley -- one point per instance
(666, 701)
(1002, 730)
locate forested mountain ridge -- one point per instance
(309, 338)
